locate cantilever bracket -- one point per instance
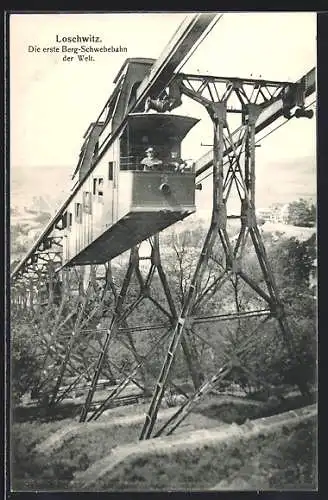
(218, 112)
(251, 113)
(166, 102)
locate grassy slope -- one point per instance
(32, 470)
(24, 463)
(283, 460)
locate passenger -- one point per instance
(151, 162)
(176, 162)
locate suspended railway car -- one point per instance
(119, 204)
(115, 204)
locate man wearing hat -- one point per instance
(150, 162)
(176, 163)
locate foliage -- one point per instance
(292, 262)
(25, 362)
(301, 213)
(18, 238)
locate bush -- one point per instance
(25, 362)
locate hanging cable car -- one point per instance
(129, 198)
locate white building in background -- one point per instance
(277, 213)
(284, 213)
(266, 214)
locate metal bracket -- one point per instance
(251, 113)
(220, 215)
(295, 95)
(218, 112)
(166, 102)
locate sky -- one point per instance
(54, 101)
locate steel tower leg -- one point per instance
(217, 224)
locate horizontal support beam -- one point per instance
(231, 79)
(229, 316)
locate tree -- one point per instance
(291, 262)
(301, 213)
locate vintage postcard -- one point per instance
(163, 280)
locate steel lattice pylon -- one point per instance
(122, 313)
(225, 175)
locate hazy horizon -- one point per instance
(295, 178)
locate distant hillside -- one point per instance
(280, 231)
(35, 195)
(38, 187)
